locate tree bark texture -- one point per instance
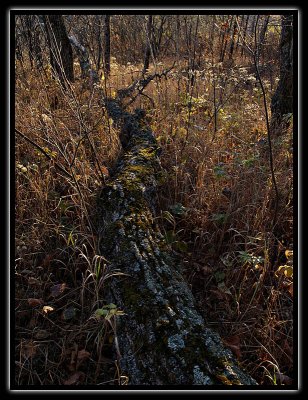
(282, 100)
(61, 52)
(162, 337)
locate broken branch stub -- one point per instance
(162, 338)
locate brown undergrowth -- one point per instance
(215, 208)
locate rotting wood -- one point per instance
(162, 338)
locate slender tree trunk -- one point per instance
(244, 35)
(61, 52)
(99, 42)
(37, 50)
(149, 34)
(224, 45)
(282, 100)
(232, 41)
(263, 35)
(107, 46)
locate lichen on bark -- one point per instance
(162, 337)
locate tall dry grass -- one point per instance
(215, 208)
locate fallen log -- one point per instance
(162, 338)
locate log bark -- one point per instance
(162, 337)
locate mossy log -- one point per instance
(162, 337)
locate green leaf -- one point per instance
(110, 306)
(222, 286)
(219, 218)
(219, 171)
(178, 209)
(249, 162)
(69, 313)
(170, 237)
(182, 246)
(250, 258)
(219, 276)
(100, 312)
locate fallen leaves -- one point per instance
(75, 379)
(58, 289)
(69, 313)
(42, 334)
(35, 302)
(76, 359)
(29, 349)
(287, 270)
(83, 355)
(233, 343)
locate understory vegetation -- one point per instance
(215, 205)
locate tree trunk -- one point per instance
(232, 40)
(244, 36)
(107, 46)
(262, 36)
(61, 53)
(282, 100)
(147, 54)
(225, 42)
(162, 339)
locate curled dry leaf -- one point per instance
(47, 120)
(289, 254)
(47, 309)
(35, 302)
(75, 379)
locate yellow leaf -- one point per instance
(288, 271)
(280, 270)
(289, 253)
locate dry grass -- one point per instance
(216, 209)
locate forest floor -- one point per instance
(215, 208)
